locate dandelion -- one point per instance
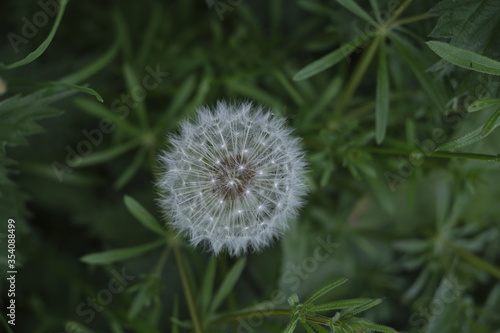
(233, 178)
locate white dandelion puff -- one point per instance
(233, 178)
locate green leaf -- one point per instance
(175, 314)
(132, 83)
(39, 51)
(131, 169)
(482, 104)
(102, 112)
(469, 138)
(143, 216)
(207, 286)
(107, 154)
(354, 8)
(83, 89)
(228, 283)
(363, 307)
(412, 245)
(343, 304)
(291, 325)
(489, 125)
(434, 89)
(465, 58)
(473, 25)
(93, 67)
(111, 256)
(382, 98)
(378, 328)
(330, 59)
(325, 289)
(180, 99)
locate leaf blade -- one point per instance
(382, 96)
(465, 58)
(230, 280)
(107, 257)
(329, 60)
(326, 289)
(143, 215)
(44, 45)
(354, 8)
(482, 104)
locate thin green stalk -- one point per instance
(412, 19)
(448, 155)
(475, 260)
(187, 288)
(398, 13)
(161, 260)
(269, 313)
(353, 83)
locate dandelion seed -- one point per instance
(243, 178)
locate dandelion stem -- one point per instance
(187, 288)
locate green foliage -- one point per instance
(397, 103)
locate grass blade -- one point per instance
(228, 283)
(107, 154)
(354, 8)
(102, 112)
(329, 60)
(93, 67)
(45, 44)
(133, 83)
(343, 304)
(207, 286)
(143, 216)
(107, 257)
(326, 289)
(382, 98)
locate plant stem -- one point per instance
(475, 260)
(398, 12)
(187, 288)
(353, 83)
(269, 313)
(448, 155)
(412, 19)
(161, 260)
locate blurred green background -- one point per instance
(405, 223)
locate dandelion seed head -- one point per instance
(233, 178)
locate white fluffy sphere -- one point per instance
(233, 178)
